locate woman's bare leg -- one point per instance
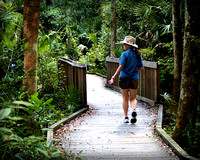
(125, 97)
(132, 97)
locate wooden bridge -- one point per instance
(100, 133)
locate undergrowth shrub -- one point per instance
(11, 69)
(166, 74)
(148, 54)
(65, 99)
(21, 128)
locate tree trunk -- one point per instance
(30, 34)
(190, 77)
(178, 49)
(113, 28)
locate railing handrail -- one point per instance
(73, 63)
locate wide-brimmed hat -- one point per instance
(130, 41)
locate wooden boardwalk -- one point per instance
(101, 133)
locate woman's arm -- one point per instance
(116, 73)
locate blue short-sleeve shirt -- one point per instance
(131, 64)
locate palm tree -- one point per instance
(155, 17)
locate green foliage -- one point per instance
(148, 54)
(118, 50)
(166, 73)
(96, 55)
(191, 139)
(42, 113)
(47, 72)
(169, 112)
(105, 32)
(16, 119)
(126, 19)
(169, 123)
(54, 18)
(155, 16)
(11, 68)
(167, 100)
(82, 11)
(83, 26)
(67, 100)
(33, 115)
(51, 44)
(11, 52)
(73, 98)
(10, 21)
(95, 59)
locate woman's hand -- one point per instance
(111, 80)
(116, 73)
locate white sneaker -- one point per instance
(126, 120)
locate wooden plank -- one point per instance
(84, 85)
(143, 81)
(81, 83)
(147, 83)
(116, 82)
(139, 88)
(151, 96)
(155, 89)
(158, 84)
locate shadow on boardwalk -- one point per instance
(101, 134)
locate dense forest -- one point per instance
(83, 30)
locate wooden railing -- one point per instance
(72, 73)
(149, 83)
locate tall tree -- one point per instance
(178, 48)
(30, 33)
(113, 28)
(190, 73)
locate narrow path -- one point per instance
(101, 133)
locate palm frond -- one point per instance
(6, 14)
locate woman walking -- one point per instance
(129, 63)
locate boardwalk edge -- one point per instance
(182, 154)
(56, 125)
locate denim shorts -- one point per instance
(126, 83)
